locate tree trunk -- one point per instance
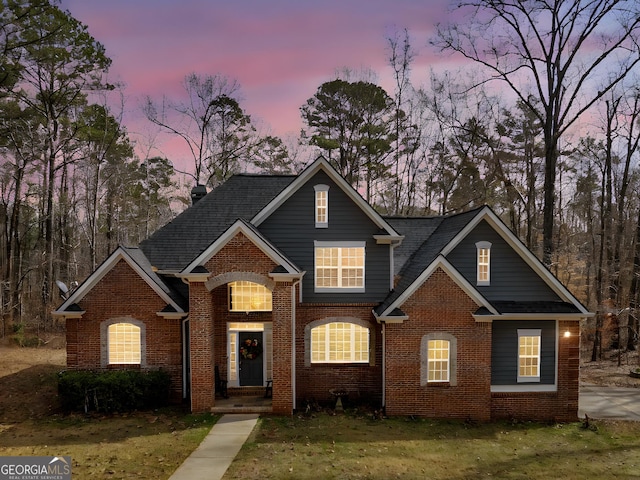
(634, 294)
(548, 213)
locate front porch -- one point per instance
(255, 399)
(239, 345)
(243, 404)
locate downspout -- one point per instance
(186, 376)
(293, 343)
(384, 367)
(392, 267)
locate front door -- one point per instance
(250, 356)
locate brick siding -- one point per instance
(121, 293)
(439, 305)
(362, 382)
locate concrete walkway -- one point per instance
(609, 403)
(216, 452)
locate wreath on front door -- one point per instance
(250, 349)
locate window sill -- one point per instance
(524, 387)
(345, 364)
(339, 290)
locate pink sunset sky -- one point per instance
(280, 51)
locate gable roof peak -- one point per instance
(134, 258)
(321, 164)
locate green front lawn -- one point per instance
(351, 446)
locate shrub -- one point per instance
(113, 390)
(21, 337)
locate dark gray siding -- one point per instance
(504, 351)
(292, 229)
(511, 278)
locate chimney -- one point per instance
(197, 193)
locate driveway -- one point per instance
(608, 403)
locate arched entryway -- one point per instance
(243, 339)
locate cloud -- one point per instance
(280, 51)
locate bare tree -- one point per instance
(210, 122)
(558, 57)
(407, 138)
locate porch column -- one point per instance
(282, 403)
(201, 349)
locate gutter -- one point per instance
(384, 366)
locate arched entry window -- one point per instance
(249, 297)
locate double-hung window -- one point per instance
(529, 341)
(322, 205)
(438, 359)
(339, 266)
(484, 263)
(439, 353)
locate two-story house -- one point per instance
(297, 282)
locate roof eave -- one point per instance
(92, 280)
(65, 314)
(533, 316)
(390, 318)
(440, 262)
(172, 315)
(193, 277)
(388, 239)
(240, 226)
(287, 277)
(489, 215)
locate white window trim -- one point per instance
(233, 329)
(321, 189)
(322, 244)
(536, 332)
(327, 349)
(447, 361)
(479, 247)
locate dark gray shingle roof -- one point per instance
(177, 295)
(415, 231)
(180, 241)
(427, 238)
